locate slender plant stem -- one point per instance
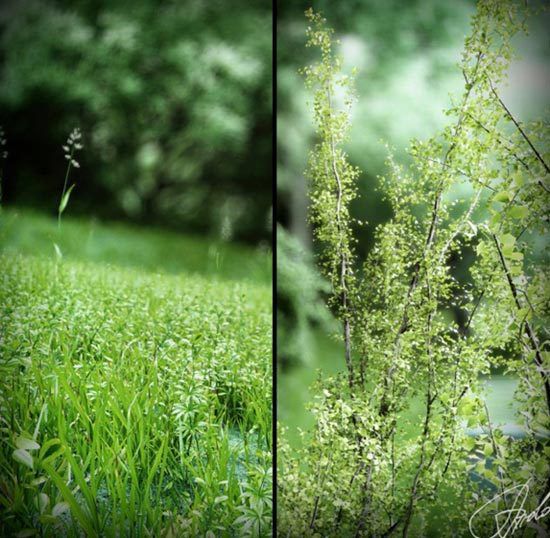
(64, 187)
(528, 328)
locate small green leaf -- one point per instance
(518, 212)
(488, 449)
(220, 499)
(541, 467)
(495, 218)
(467, 406)
(65, 199)
(26, 444)
(507, 240)
(57, 251)
(469, 443)
(48, 519)
(503, 196)
(518, 178)
(22, 456)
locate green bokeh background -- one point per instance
(174, 100)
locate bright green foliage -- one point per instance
(361, 471)
(132, 404)
(332, 177)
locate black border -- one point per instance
(274, 265)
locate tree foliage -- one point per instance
(173, 100)
(389, 441)
(300, 302)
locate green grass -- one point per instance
(132, 403)
(33, 233)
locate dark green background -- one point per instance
(173, 99)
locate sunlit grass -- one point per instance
(132, 403)
(153, 249)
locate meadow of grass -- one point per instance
(29, 232)
(133, 402)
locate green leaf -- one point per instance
(488, 449)
(39, 480)
(472, 421)
(76, 510)
(57, 251)
(495, 218)
(26, 444)
(65, 199)
(507, 240)
(22, 456)
(502, 196)
(48, 519)
(541, 467)
(518, 212)
(518, 178)
(467, 406)
(469, 443)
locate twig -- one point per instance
(528, 329)
(510, 150)
(518, 126)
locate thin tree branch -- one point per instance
(518, 126)
(343, 256)
(501, 141)
(528, 329)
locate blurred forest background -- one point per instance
(173, 99)
(406, 53)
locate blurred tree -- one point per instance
(173, 98)
(301, 307)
